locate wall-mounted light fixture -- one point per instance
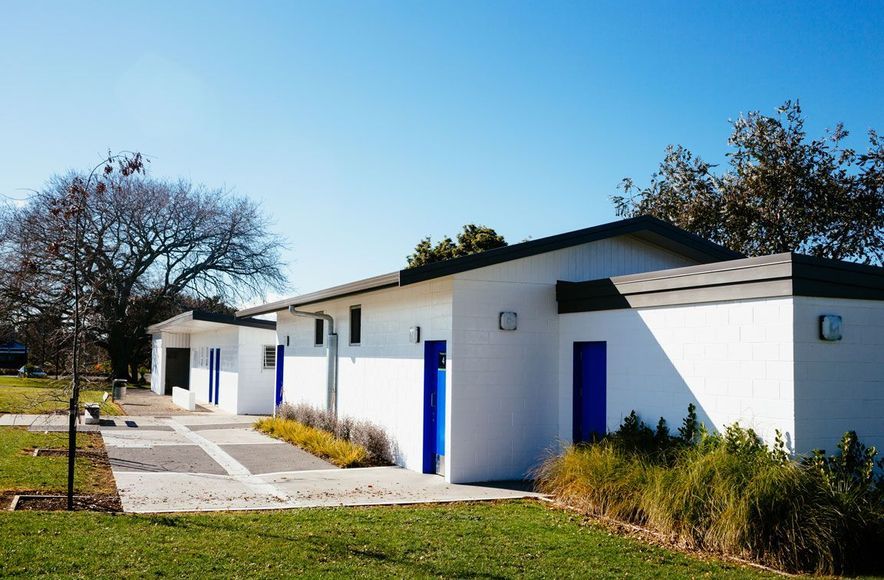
(508, 321)
(830, 327)
(414, 334)
(287, 340)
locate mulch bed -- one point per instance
(28, 500)
(39, 501)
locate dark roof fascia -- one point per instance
(373, 284)
(647, 228)
(231, 319)
(213, 317)
(771, 276)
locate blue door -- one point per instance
(217, 373)
(280, 360)
(590, 380)
(435, 359)
(211, 375)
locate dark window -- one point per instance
(355, 324)
(319, 332)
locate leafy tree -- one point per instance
(472, 240)
(779, 192)
(112, 250)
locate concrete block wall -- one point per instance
(733, 360)
(381, 379)
(159, 344)
(256, 385)
(504, 402)
(225, 338)
(157, 365)
(839, 386)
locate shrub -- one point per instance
(316, 441)
(371, 437)
(730, 493)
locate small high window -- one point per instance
(269, 356)
(318, 332)
(355, 324)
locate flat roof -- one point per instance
(646, 228)
(196, 320)
(776, 275)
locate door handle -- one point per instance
(432, 399)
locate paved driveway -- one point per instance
(211, 461)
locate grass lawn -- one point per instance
(21, 471)
(501, 540)
(45, 396)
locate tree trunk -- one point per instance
(118, 351)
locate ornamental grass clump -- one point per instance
(371, 437)
(730, 493)
(316, 441)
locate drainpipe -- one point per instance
(332, 356)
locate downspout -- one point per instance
(332, 356)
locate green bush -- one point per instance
(730, 493)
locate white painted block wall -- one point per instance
(256, 385)
(733, 360)
(505, 385)
(839, 385)
(227, 340)
(157, 362)
(381, 379)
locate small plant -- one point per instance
(851, 468)
(690, 427)
(316, 441)
(371, 437)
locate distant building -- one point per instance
(226, 362)
(13, 355)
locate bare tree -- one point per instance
(142, 243)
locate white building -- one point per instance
(225, 361)
(478, 365)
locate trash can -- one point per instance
(119, 389)
(92, 416)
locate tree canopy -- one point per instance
(472, 240)
(780, 191)
(146, 247)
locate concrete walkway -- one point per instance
(211, 461)
(141, 401)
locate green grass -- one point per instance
(502, 540)
(19, 395)
(21, 471)
(316, 441)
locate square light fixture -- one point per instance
(830, 327)
(508, 321)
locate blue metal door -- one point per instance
(217, 373)
(590, 385)
(280, 361)
(211, 375)
(435, 363)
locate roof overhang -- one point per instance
(772, 276)
(390, 280)
(198, 321)
(645, 228)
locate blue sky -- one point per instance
(363, 126)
